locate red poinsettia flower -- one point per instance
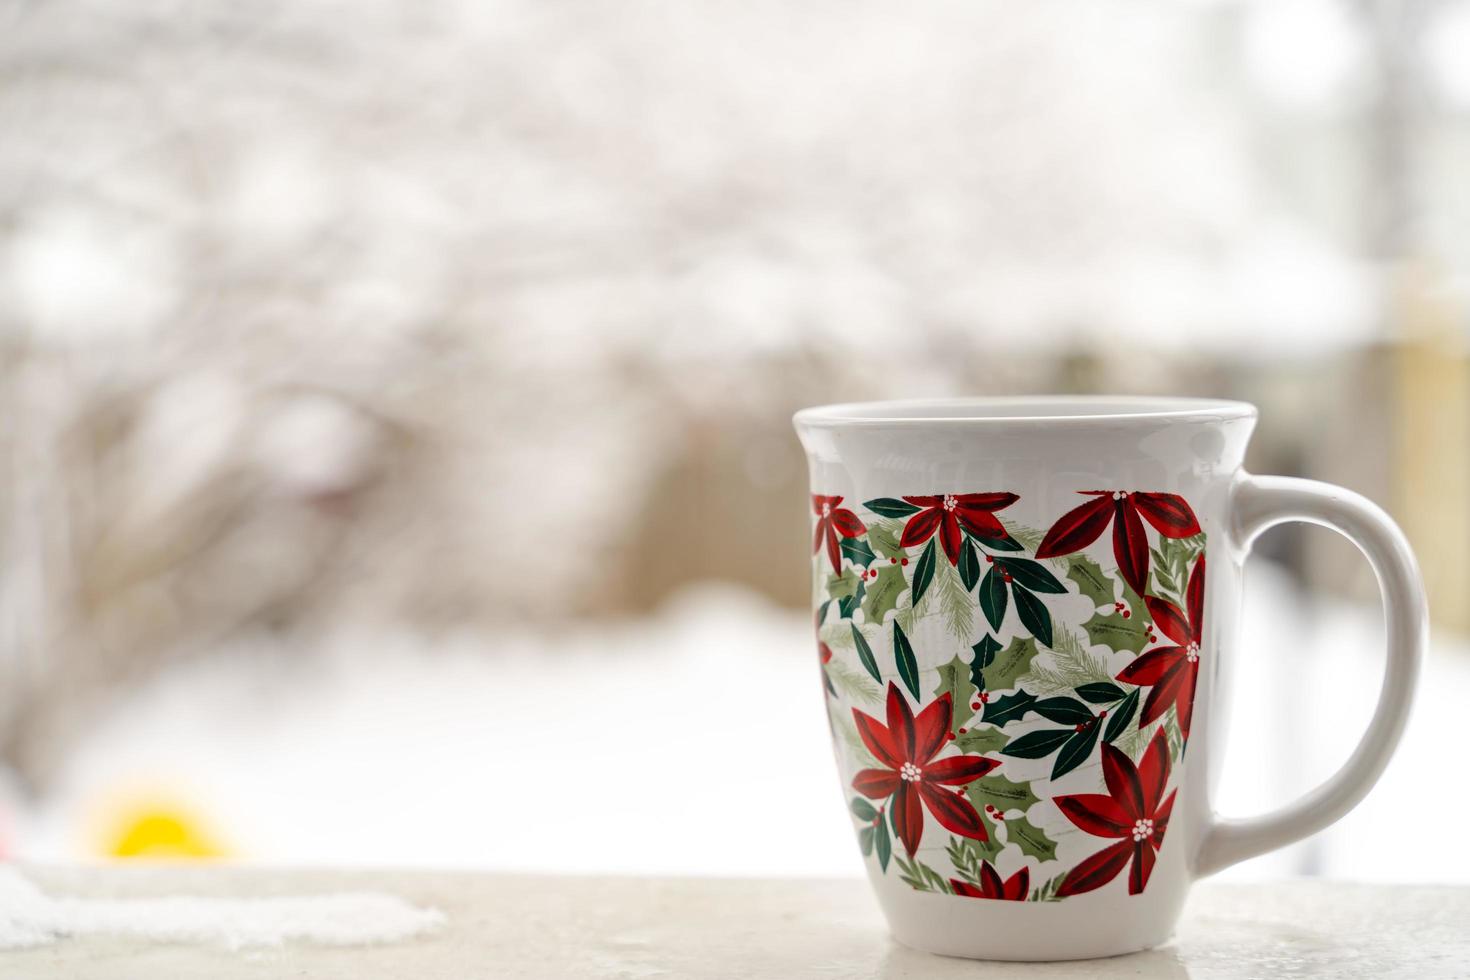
(1134, 811)
(947, 513)
(833, 521)
(1169, 513)
(1013, 889)
(1172, 672)
(906, 747)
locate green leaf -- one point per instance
(865, 654)
(986, 849)
(1090, 579)
(954, 601)
(891, 507)
(1008, 708)
(1032, 574)
(999, 544)
(1101, 692)
(1075, 751)
(844, 585)
(1116, 632)
(954, 680)
(1032, 840)
(903, 656)
(923, 572)
(1120, 716)
(856, 550)
(863, 810)
(979, 741)
(1063, 711)
(883, 843)
(845, 606)
(1010, 664)
(883, 594)
(884, 537)
(865, 840)
(852, 683)
(969, 564)
(993, 598)
(1038, 745)
(1002, 793)
(1033, 612)
(985, 652)
(822, 612)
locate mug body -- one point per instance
(1023, 608)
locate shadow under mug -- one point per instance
(1025, 612)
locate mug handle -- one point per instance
(1261, 502)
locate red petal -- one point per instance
(1194, 598)
(1165, 693)
(1169, 619)
(1150, 668)
(934, 501)
(1123, 782)
(931, 727)
(986, 501)
(1161, 819)
(953, 811)
(990, 881)
(878, 739)
(824, 652)
(847, 523)
(958, 769)
(818, 500)
(900, 723)
(876, 784)
(818, 534)
(950, 538)
(908, 816)
(964, 888)
(834, 553)
(981, 523)
(1018, 885)
(1169, 513)
(1099, 815)
(1153, 773)
(920, 527)
(1185, 701)
(1076, 529)
(1143, 866)
(1096, 871)
(1130, 546)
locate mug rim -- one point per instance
(993, 410)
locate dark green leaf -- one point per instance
(903, 655)
(1007, 708)
(923, 572)
(993, 598)
(865, 840)
(856, 550)
(822, 611)
(1120, 717)
(1063, 711)
(1075, 752)
(969, 565)
(865, 654)
(884, 844)
(1038, 745)
(846, 605)
(1032, 574)
(863, 810)
(985, 652)
(1034, 615)
(891, 507)
(1102, 692)
(1006, 543)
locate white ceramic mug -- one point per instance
(1025, 615)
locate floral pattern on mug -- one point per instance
(1011, 703)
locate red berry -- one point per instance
(904, 562)
(1008, 577)
(989, 560)
(1104, 713)
(950, 736)
(984, 697)
(893, 561)
(1079, 727)
(1127, 613)
(974, 705)
(963, 730)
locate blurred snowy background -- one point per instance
(395, 395)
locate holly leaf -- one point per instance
(884, 538)
(954, 680)
(1121, 715)
(979, 741)
(883, 593)
(985, 652)
(891, 507)
(1032, 840)
(847, 605)
(1002, 793)
(903, 657)
(857, 551)
(1010, 664)
(1090, 579)
(1008, 708)
(1116, 632)
(1075, 751)
(993, 598)
(844, 585)
(923, 572)
(865, 654)
(1033, 612)
(991, 847)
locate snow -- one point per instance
(29, 917)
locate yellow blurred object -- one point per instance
(162, 833)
